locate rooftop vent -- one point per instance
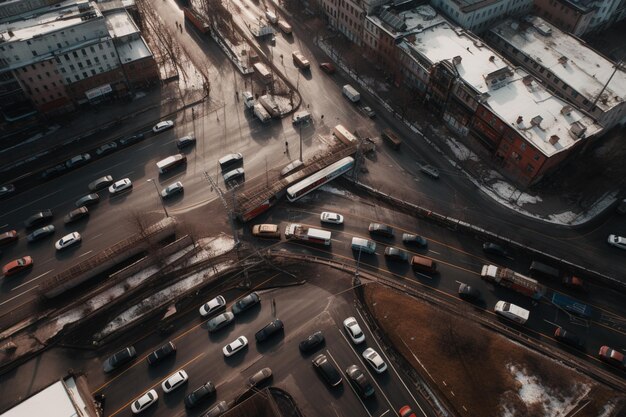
(553, 139)
(544, 29)
(536, 121)
(492, 58)
(457, 60)
(527, 80)
(520, 119)
(577, 130)
(566, 110)
(563, 60)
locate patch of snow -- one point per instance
(607, 410)
(332, 190)
(507, 191)
(461, 152)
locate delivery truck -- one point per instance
(261, 113)
(511, 279)
(307, 234)
(300, 61)
(351, 93)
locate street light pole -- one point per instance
(159, 196)
(357, 280)
(301, 142)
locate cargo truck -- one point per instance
(308, 234)
(351, 93)
(391, 138)
(511, 279)
(284, 26)
(300, 61)
(261, 113)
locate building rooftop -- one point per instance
(470, 5)
(575, 63)
(120, 24)
(133, 50)
(416, 19)
(54, 401)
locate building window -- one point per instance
(39, 76)
(72, 67)
(85, 74)
(530, 168)
(75, 54)
(100, 46)
(67, 57)
(93, 72)
(80, 65)
(91, 49)
(564, 87)
(34, 53)
(89, 62)
(77, 78)
(83, 52)
(63, 70)
(522, 146)
(67, 79)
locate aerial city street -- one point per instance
(312, 208)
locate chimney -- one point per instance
(553, 139)
(536, 121)
(566, 110)
(563, 60)
(457, 60)
(492, 58)
(527, 80)
(520, 119)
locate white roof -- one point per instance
(53, 401)
(585, 69)
(133, 50)
(120, 24)
(416, 19)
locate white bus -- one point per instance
(344, 135)
(171, 162)
(320, 178)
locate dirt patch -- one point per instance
(480, 372)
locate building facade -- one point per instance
(479, 15)
(581, 16)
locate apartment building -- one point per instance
(479, 15)
(581, 16)
(566, 65)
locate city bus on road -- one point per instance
(171, 162)
(321, 177)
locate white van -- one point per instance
(363, 245)
(301, 117)
(248, 99)
(511, 312)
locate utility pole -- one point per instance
(230, 211)
(301, 160)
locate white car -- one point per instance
(68, 240)
(164, 125)
(144, 401)
(375, 360)
(174, 381)
(172, 190)
(234, 347)
(121, 185)
(354, 330)
(330, 217)
(617, 241)
(213, 305)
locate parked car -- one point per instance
(235, 174)
(53, 171)
(100, 183)
(199, 395)
(217, 410)
(88, 200)
(16, 266)
(186, 141)
(312, 342)
(145, 401)
(6, 190)
(612, 356)
(414, 240)
(354, 330)
(40, 233)
(172, 190)
(469, 293)
(494, 249)
(367, 110)
(120, 358)
(235, 346)
(267, 231)
(38, 219)
(245, 303)
(229, 160)
(374, 360)
(164, 125)
(359, 381)
(396, 255)
(327, 67)
(269, 330)
(120, 186)
(330, 217)
(220, 321)
(131, 139)
(260, 377)
(327, 370)
(568, 338)
(380, 229)
(107, 148)
(617, 241)
(77, 161)
(430, 171)
(406, 411)
(76, 215)
(68, 240)
(174, 381)
(212, 306)
(8, 237)
(161, 353)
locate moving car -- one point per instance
(107, 148)
(414, 240)
(359, 381)
(212, 306)
(40, 233)
(235, 346)
(100, 183)
(617, 241)
(38, 219)
(76, 215)
(7, 190)
(8, 237)
(568, 338)
(430, 171)
(88, 200)
(469, 293)
(330, 217)
(131, 139)
(380, 229)
(161, 353)
(185, 141)
(363, 245)
(245, 303)
(267, 231)
(176, 380)
(235, 174)
(367, 110)
(312, 342)
(260, 377)
(230, 159)
(144, 401)
(354, 330)
(217, 410)
(120, 358)
(269, 330)
(77, 161)
(172, 189)
(164, 125)
(326, 370)
(220, 321)
(68, 240)
(612, 356)
(406, 411)
(120, 186)
(494, 249)
(511, 312)
(327, 67)
(16, 266)
(375, 360)
(396, 255)
(199, 394)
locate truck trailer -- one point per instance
(308, 234)
(351, 93)
(511, 279)
(261, 113)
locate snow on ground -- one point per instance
(461, 152)
(332, 190)
(509, 192)
(532, 392)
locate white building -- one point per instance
(480, 15)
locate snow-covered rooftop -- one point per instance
(416, 19)
(120, 24)
(567, 57)
(133, 50)
(53, 401)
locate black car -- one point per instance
(469, 293)
(359, 381)
(327, 370)
(270, 329)
(414, 240)
(246, 302)
(53, 171)
(396, 255)
(380, 229)
(131, 140)
(161, 353)
(567, 338)
(40, 233)
(494, 249)
(38, 219)
(107, 148)
(199, 394)
(100, 183)
(311, 342)
(185, 141)
(76, 215)
(88, 200)
(120, 358)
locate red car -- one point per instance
(8, 237)
(17, 265)
(327, 67)
(406, 412)
(610, 355)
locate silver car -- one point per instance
(220, 321)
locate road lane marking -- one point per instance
(19, 295)
(29, 203)
(98, 235)
(108, 169)
(86, 253)
(37, 277)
